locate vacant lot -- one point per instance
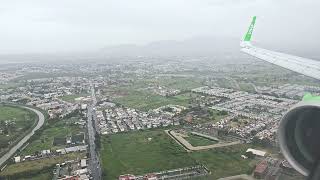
(136, 153)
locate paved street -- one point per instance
(94, 158)
(242, 176)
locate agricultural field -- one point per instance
(153, 150)
(13, 121)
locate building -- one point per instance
(83, 163)
(256, 152)
(17, 159)
(261, 170)
(150, 177)
(127, 177)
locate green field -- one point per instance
(40, 176)
(199, 141)
(134, 153)
(44, 140)
(212, 116)
(181, 83)
(146, 101)
(138, 95)
(224, 162)
(18, 120)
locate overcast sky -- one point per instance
(32, 26)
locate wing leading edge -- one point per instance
(300, 65)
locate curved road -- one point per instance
(13, 150)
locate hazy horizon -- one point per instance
(42, 26)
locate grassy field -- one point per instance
(38, 165)
(199, 141)
(213, 116)
(134, 153)
(224, 162)
(181, 83)
(20, 121)
(70, 98)
(39, 75)
(40, 176)
(45, 140)
(138, 95)
(145, 101)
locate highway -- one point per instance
(94, 163)
(13, 150)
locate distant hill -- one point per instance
(194, 47)
(204, 46)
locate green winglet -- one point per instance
(250, 30)
(309, 97)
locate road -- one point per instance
(242, 176)
(13, 150)
(179, 137)
(94, 163)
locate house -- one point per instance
(127, 177)
(83, 163)
(17, 159)
(257, 152)
(261, 170)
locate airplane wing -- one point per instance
(300, 65)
